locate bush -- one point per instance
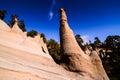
(32, 33)
(54, 50)
(43, 36)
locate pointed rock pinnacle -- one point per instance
(16, 20)
(73, 57)
(16, 28)
(67, 39)
(63, 15)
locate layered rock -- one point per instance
(4, 26)
(16, 28)
(26, 58)
(15, 38)
(72, 56)
(39, 39)
(22, 58)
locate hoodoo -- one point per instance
(73, 57)
(16, 28)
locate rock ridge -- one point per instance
(14, 36)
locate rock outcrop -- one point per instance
(16, 28)
(14, 37)
(4, 26)
(26, 58)
(74, 59)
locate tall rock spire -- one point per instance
(72, 56)
(67, 39)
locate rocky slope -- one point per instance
(22, 58)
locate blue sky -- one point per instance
(89, 18)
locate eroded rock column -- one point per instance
(72, 56)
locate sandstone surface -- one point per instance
(22, 58)
(26, 58)
(74, 59)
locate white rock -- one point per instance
(4, 26)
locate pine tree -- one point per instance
(2, 14)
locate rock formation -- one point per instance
(22, 58)
(16, 38)
(2, 24)
(15, 27)
(26, 58)
(74, 59)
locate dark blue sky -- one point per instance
(89, 18)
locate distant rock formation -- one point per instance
(74, 59)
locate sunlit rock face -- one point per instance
(26, 58)
(14, 37)
(72, 56)
(16, 28)
(4, 26)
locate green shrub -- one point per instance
(32, 33)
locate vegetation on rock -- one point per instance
(54, 50)
(2, 14)
(80, 41)
(21, 23)
(111, 60)
(12, 20)
(110, 51)
(32, 33)
(44, 38)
